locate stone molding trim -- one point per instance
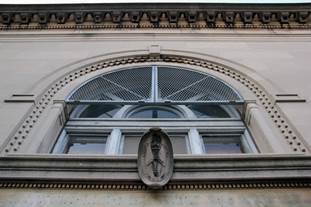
(120, 173)
(136, 187)
(131, 15)
(289, 133)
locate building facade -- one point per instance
(228, 83)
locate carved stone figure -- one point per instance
(155, 158)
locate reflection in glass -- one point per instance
(86, 148)
(100, 111)
(154, 112)
(90, 144)
(131, 141)
(222, 145)
(179, 143)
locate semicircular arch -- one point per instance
(51, 93)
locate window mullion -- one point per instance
(113, 142)
(195, 141)
(62, 143)
(154, 87)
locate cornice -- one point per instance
(196, 16)
(190, 172)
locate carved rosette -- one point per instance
(155, 158)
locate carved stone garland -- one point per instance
(293, 140)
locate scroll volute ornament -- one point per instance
(155, 158)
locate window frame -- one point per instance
(181, 125)
(121, 121)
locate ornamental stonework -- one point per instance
(195, 16)
(155, 158)
(289, 133)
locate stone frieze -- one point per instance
(107, 16)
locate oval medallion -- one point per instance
(155, 158)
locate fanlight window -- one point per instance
(154, 112)
(99, 111)
(112, 111)
(155, 85)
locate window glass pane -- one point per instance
(208, 111)
(100, 111)
(86, 148)
(222, 145)
(154, 112)
(179, 143)
(131, 142)
(86, 144)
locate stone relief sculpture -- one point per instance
(155, 158)
(157, 163)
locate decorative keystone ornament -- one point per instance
(155, 158)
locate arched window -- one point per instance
(111, 112)
(154, 112)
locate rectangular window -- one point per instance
(232, 140)
(87, 140)
(131, 141)
(82, 143)
(86, 144)
(178, 143)
(220, 144)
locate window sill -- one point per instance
(250, 168)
